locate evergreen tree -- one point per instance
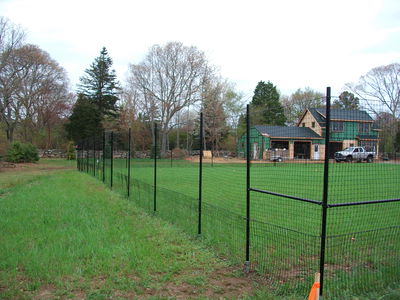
(85, 120)
(100, 85)
(265, 105)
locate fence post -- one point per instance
(325, 191)
(155, 167)
(82, 163)
(247, 262)
(104, 157)
(78, 156)
(94, 155)
(87, 155)
(129, 161)
(112, 159)
(200, 172)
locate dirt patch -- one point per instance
(217, 160)
(229, 160)
(4, 164)
(223, 283)
(45, 292)
(21, 167)
(98, 282)
(220, 284)
(79, 295)
(127, 295)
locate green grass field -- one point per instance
(64, 235)
(224, 185)
(362, 246)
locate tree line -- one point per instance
(34, 90)
(169, 87)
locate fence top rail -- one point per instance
(362, 203)
(286, 196)
(320, 203)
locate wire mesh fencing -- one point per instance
(363, 209)
(321, 196)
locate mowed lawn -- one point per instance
(66, 235)
(362, 240)
(224, 185)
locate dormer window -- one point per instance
(337, 126)
(363, 127)
(304, 124)
(313, 124)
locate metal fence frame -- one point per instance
(87, 150)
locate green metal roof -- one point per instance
(340, 114)
(287, 132)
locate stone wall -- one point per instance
(52, 153)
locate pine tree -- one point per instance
(85, 120)
(100, 85)
(265, 106)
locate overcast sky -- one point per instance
(293, 44)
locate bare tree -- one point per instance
(36, 91)
(53, 104)
(128, 106)
(380, 87)
(234, 106)
(213, 109)
(11, 38)
(346, 100)
(299, 101)
(388, 126)
(44, 90)
(168, 79)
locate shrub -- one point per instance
(178, 153)
(20, 152)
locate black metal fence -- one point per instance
(315, 209)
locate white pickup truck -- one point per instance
(354, 153)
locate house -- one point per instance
(297, 140)
(307, 139)
(348, 128)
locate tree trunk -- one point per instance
(163, 142)
(204, 140)
(168, 145)
(177, 137)
(48, 137)
(164, 136)
(10, 133)
(187, 131)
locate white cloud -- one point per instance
(292, 43)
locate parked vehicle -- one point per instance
(354, 153)
(277, 155)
